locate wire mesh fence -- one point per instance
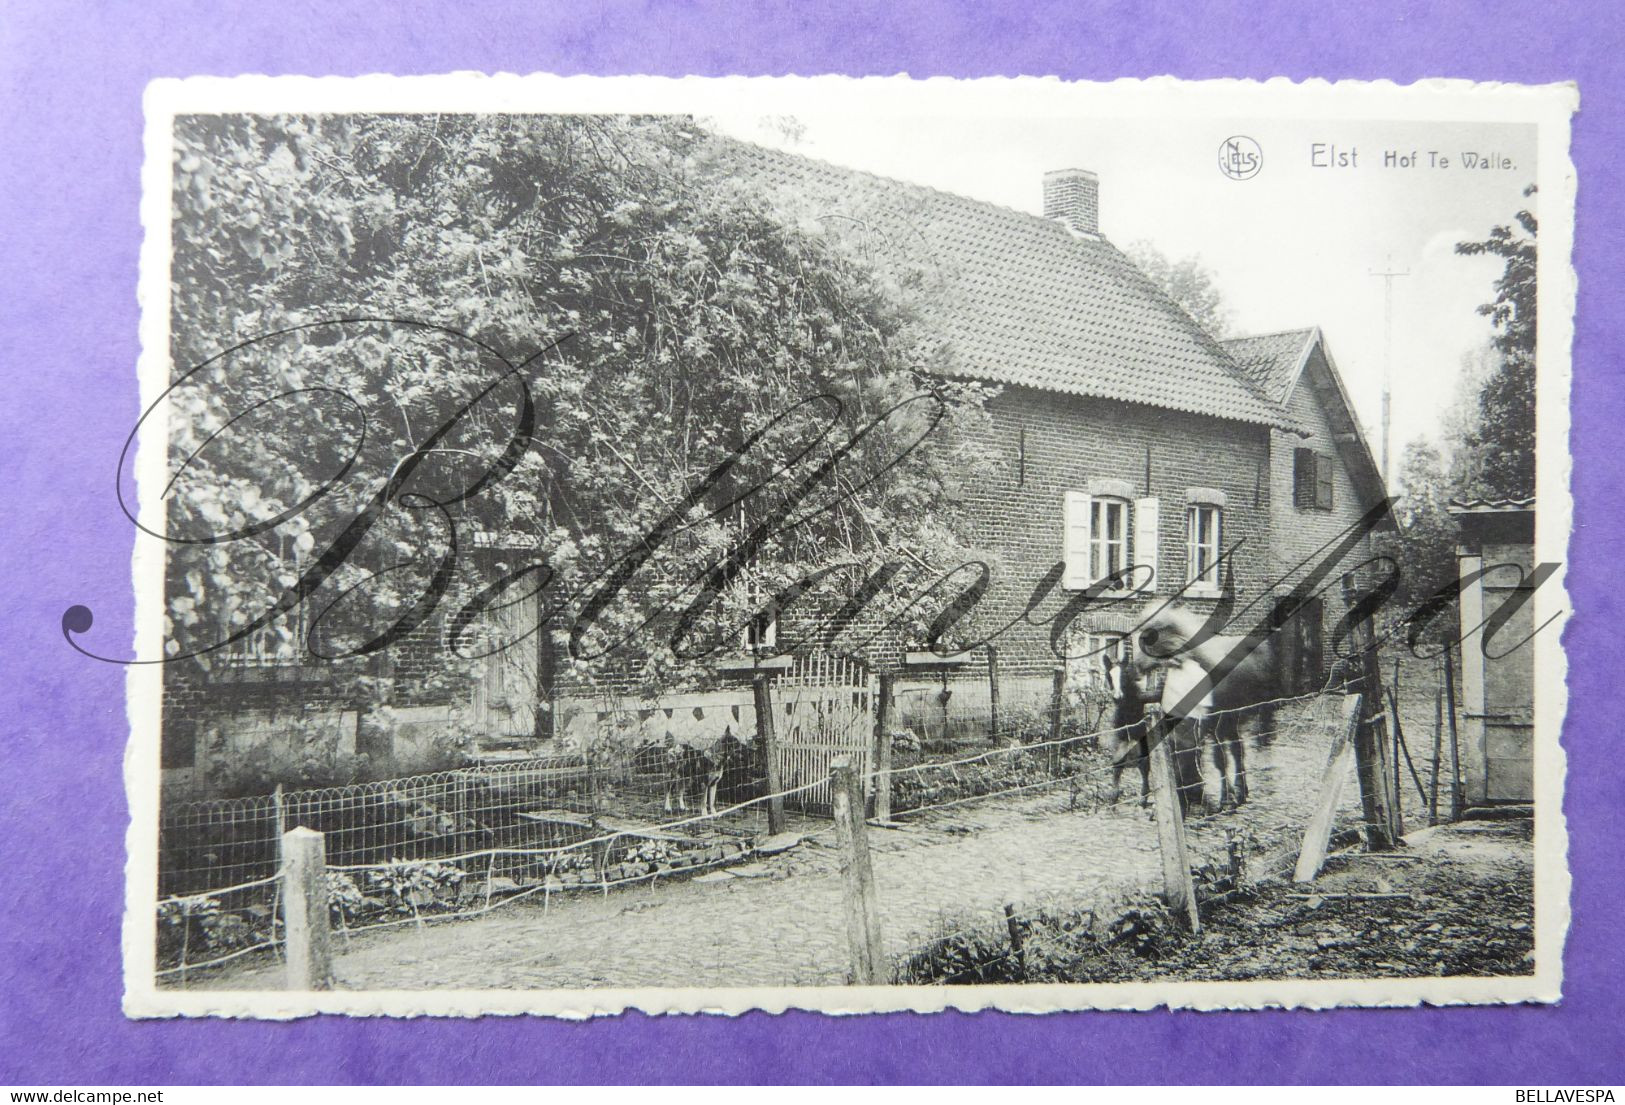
(1055, 872)
(1042, 825)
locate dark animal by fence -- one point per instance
(699, 776)
(1128, 743)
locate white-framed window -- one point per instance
(760, 633)
(1108, 537)
(1204, 523)
(1105, 534)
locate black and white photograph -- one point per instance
(848, 545)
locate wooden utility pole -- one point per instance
(304, 910)
(1178, 888)
(762, 694)
(857, 876)
(279, 810)
(1013, 927)
(1388, 276)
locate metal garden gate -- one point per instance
(824, 707)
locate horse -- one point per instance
(1129, 739)
(1170, 641)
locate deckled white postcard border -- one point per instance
(1549, 107)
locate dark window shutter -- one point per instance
(1323, 481)
(1303, 477)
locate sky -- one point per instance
(1295, 245)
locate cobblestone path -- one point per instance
(780, 922)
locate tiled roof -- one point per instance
(1018, 298)
(1271, 361)
(1275, 362)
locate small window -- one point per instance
(1118, 646)
(1108, 538)
(1303, 478)
(1202, 548)
(762, 630)
(1312, 479)
(282, 643)
(1095, 536)
(177, 743)
(761, 633)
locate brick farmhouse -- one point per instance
(1125, 436)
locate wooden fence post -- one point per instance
(1318, 835)
(279, 811)
(857, 876)
(1057, 697)
(1013, 927)
(1455, 737)
(1438, 751)
(993, 694)
(1402, 748)
(762, 693)
(1376, 801)
(1178, 889)
(304, 910)
(883, 730)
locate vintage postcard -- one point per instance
(712, 545)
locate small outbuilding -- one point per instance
(1498, 682)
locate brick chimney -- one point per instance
(1073, 197)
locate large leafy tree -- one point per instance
(1189, 283)
(583, 343)
(1423, 542)
(1502, 444)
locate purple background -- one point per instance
(70, 152)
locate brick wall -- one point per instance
(1051, 444)
(236, 728)
(1047, 444)
(1299, 532)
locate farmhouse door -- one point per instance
(506, 699)
(1301, 644)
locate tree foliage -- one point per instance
(1501, 447)
(1423, 543)
(1189, 283)
(652, 308)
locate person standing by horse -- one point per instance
(1245, 684)
(1129, 742)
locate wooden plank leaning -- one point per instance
(1317, 837)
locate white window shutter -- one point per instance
(1075, 540)
(1146, 540)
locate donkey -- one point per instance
(1246, 689)
(1129, 740)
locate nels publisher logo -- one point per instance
(1240, 157)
